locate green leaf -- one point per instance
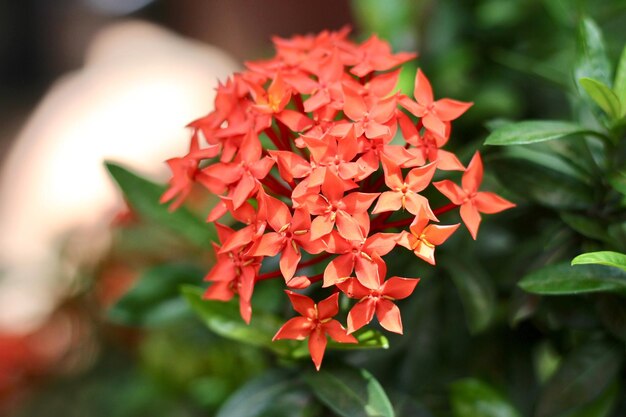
(143, 196)
(584, 225)
(350, 392)
(562, 279)
(581, 378)
(592, 59)
(474, 398)
(600, 407)
(618, 181)
(533, 131)
(475, 289)
(155, 298)
(619, 85)
(603, 96)
(612, 312)
(259, 395)
(614, 259)
(223, 318)
(544, 185)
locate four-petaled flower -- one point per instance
(379, 300)
(316, 321)
(472, 201)
(423, 237)
(433, 113)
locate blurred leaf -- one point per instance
(260, 394)
(602, 96)
(618, 181)
(600, 407)
(581, 378)
(584, 225)
(544, 185)
(614, 259)
(368, 339)
(475, 289)
(474, 398)
(143, 196)
(561, 279)
(155, 298)
(547, 361)
(350, 392)
(592, 60)
(619, 85)
(612, 312)
(223, 318)
(393, 20)
(533, 131)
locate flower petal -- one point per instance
(317, 346)
(297, 328)
(399, 288)
(388, 315)
(302, 304)
(328, 307)
(490, 203)
(423, 91)
(361, 314)
(388, 201)
(454, 193)
(473, 175)
(338, 333)
(471, 218)
(448, 109)
(338, 269)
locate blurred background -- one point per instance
(82, 81)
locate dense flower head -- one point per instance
(311, 153)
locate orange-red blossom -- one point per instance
(299, 148)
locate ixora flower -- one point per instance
(299, 149)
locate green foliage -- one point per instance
(474, 398)
(581, 378)
(617, 260)
(143, 197)
(563, 279)
(533, 131)
(155, 300)
(350, 392)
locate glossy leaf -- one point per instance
(581, 378)
(618, 181)
(143, 196)
(474, 398)
(542, 184)
(155, 298)
(592, 58)
(602, 96)
(619, 85)
(584, 225)
(561, 279)
(475, 289)
(533, 131)
(608, 258)
(350, 392)
(223, 319)
(259, 395)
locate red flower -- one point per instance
(424, 237)
(377, 300)
(316, 321)
(433, 113)
(472, 201)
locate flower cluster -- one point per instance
(294, 149)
